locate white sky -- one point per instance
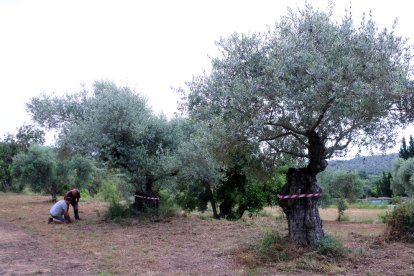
(55, 46)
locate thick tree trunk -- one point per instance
(146, 201)
(305, 225)
(212, 200)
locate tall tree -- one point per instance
(310, 88)
(407, 151)
(384, 185)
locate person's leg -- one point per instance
(57, 219)
(75, 210)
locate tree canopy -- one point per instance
(113, 125)
(308, 80)
(310, 87)
(407, 151)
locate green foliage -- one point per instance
(10, 147)
(84, 193)
(384, 185)
(114, 126)
(116, 209)
(109, 192)
(168, 206)
(341, 184)
(331, 246)
(272, 247)
(402, 182)
(38, 168)
(342, 206)
(400, 222)
(303, 76)
(407, 152)
(366, 205)
(395, 200)
(28, 135)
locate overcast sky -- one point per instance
(55, 46)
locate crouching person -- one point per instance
(59, 211)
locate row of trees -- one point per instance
(111, 130)
(297, 94)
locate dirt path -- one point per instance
(23, 254)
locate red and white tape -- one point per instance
(297, 196)
(147, 197)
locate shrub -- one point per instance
(272, 247)
(167, 208)
(395, 200)
(110, 193)
(400, 222)
(118, 210)
(331, 246)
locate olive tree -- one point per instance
(114, 126)
(37, 168)
(11, 145)
(402, 181)
(310, 87)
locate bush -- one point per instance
(272, 247)
(400, 222)
(331, 247)
(117, 211)
(395, 200)
(110, 193)
(167, 208)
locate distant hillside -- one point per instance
(370, 164)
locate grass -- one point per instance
(366, 205)
(117, 249)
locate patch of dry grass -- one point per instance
(194, 244)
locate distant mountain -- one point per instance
(374, 164)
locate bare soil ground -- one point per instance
(186, 245)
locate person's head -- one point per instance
(68, 200)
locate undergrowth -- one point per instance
(400, 222)
(272, 248)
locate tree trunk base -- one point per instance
(146, 203)
(305, 225)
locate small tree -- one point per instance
(37, 168)
(114, 126)
(341, 207)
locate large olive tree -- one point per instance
(113, 125)
(310, 87)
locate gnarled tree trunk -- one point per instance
(305, 225)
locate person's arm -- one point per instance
(67, 216)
